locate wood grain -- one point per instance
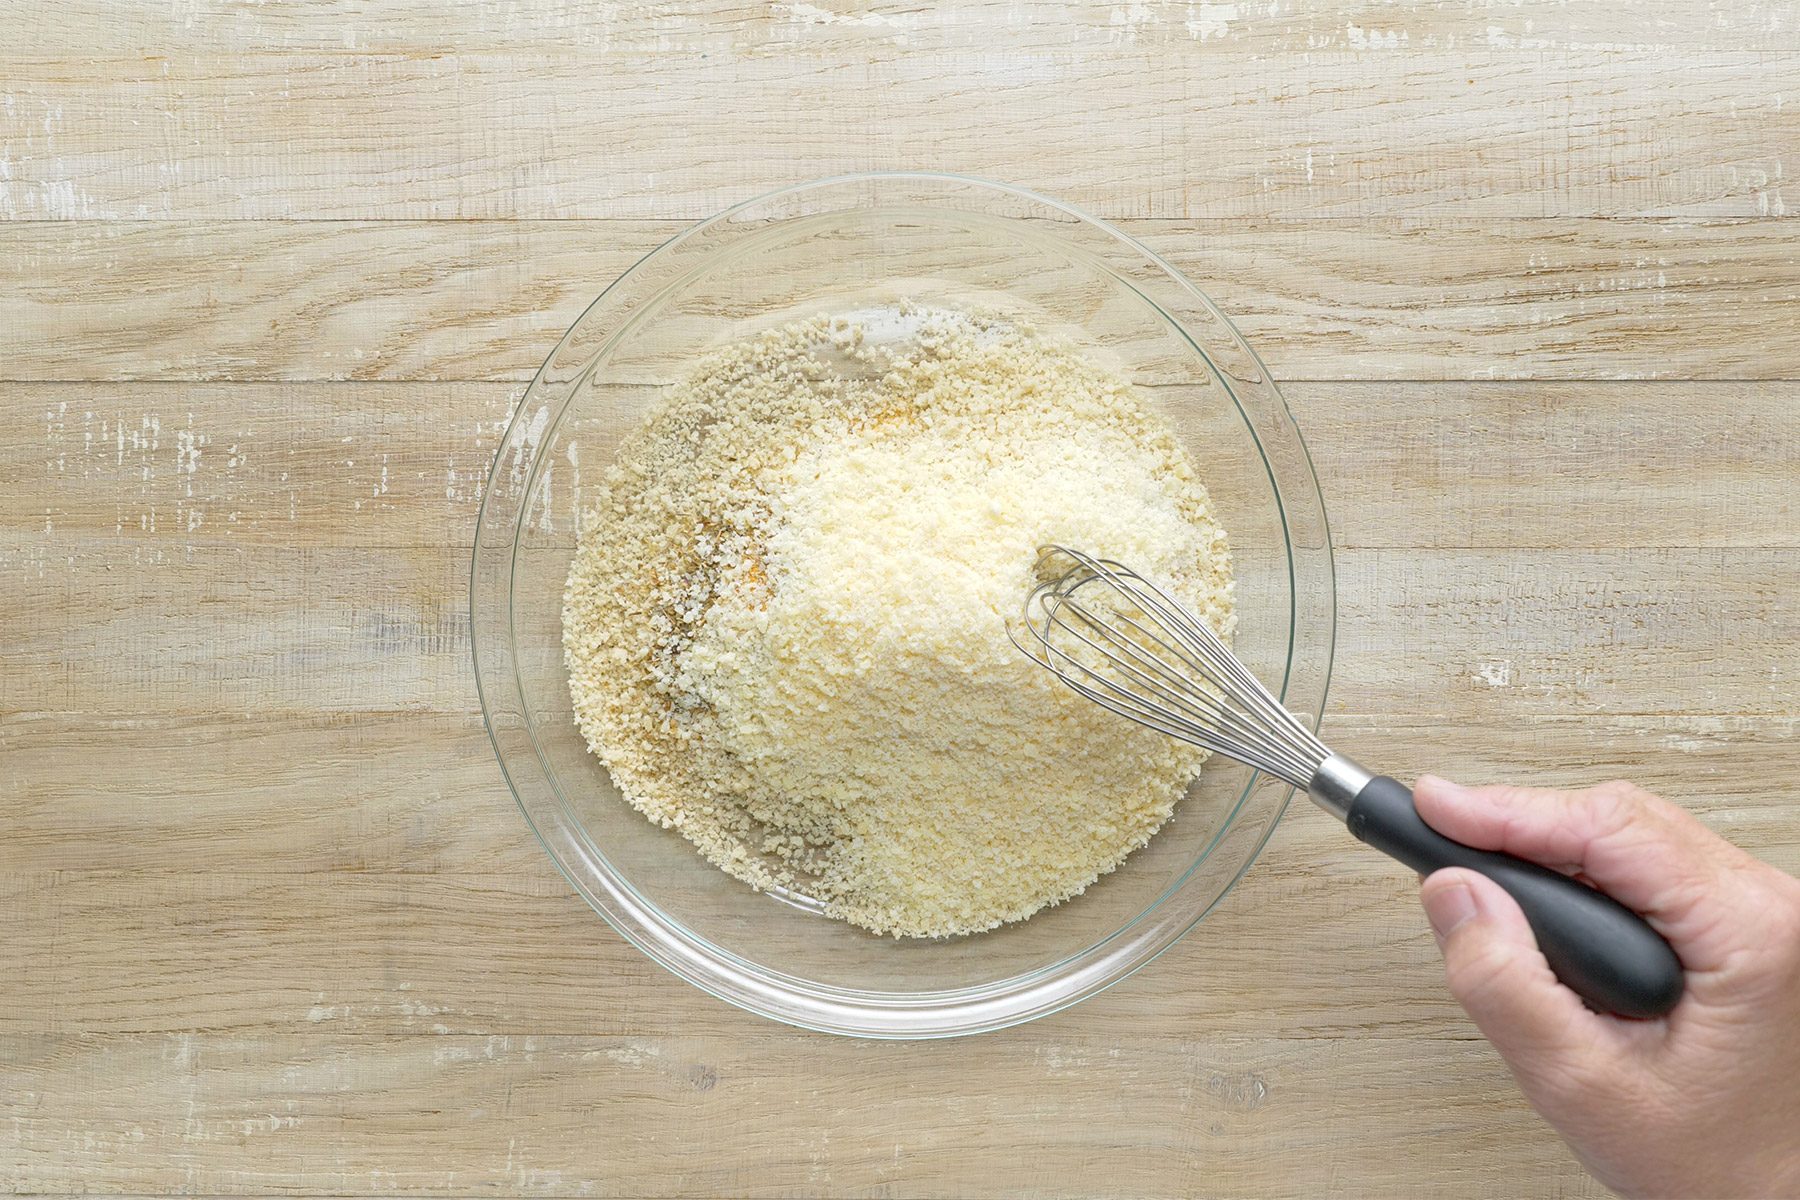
(1439, 299)
(701, 27)
(1523, 464)
(1421, 632)
(419, 793)
(158, 927)
(547, 1116)
(272, 277)
(541, 134)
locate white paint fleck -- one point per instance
(411, 1008)
(546, 500)
(634, 1054)
(1127, 22)
(1499, 39)
(61, 200)
(1210, 20)
(802, 13)
(1497, 673)
(530, 440)
(187, 456)
(269, 1124)
(573, 454)
(1374, 39)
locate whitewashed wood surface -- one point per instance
(271, 276)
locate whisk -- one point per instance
(1125, 643)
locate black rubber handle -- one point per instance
(1604, 952)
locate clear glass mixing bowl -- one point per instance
(838, 245)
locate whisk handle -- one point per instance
(1604, 952)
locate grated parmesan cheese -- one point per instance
(785, 623)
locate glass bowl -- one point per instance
(839, 245)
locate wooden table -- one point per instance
(271, 277)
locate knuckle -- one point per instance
(1783, 918)
(1473, 976)
(1619, 791)
(1611, 806)
(1755, 932)
(1512, 796)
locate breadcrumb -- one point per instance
(785, 623)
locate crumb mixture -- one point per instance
(785, 623)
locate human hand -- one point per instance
(1702, 1103)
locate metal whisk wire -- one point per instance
(1137, 651)
(1125, 643)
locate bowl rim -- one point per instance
(774, 994)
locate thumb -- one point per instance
(1497, 973)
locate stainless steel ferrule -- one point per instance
(1335, 785)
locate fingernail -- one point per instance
(1448, 907)
(1442, 786)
